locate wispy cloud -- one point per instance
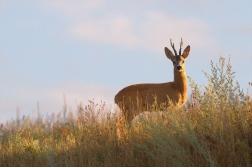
(51, 99)
(117, 31)
(100, 23)
(73, 10)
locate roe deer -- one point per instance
(129, 97)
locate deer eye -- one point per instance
(183, 61)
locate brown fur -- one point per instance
(133, 97)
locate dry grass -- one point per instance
(214, 129)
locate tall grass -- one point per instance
(213, 129)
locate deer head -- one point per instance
(178, 60)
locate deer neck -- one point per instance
(180, 81)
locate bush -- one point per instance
(214, 129)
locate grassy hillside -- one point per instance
(213, 129)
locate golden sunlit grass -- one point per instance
(213, 129)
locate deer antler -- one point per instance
(181, 45)
(172, 45)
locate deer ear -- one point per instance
(186, 52)
(168, 53)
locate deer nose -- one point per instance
(179, 68)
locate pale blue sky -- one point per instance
(92, 49)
